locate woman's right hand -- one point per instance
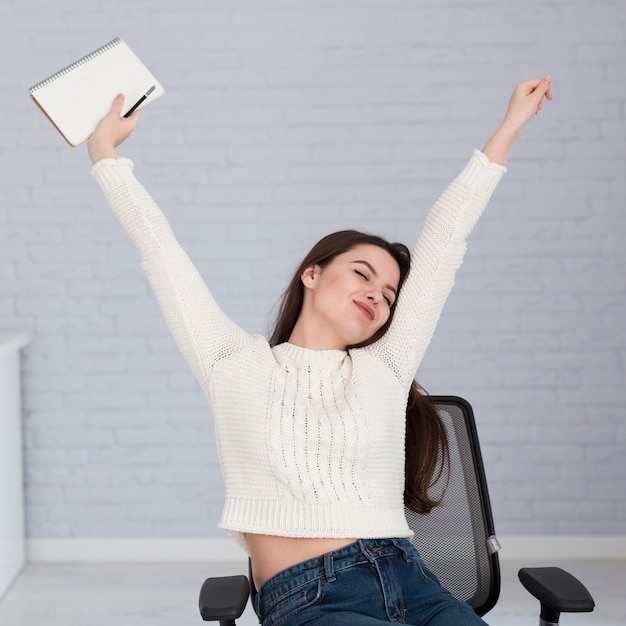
(112, 130)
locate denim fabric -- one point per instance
(368, 583)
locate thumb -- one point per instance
(118, 104)
(541, 92)
(543, 89)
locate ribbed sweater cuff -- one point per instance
(481, 173)
(110, 172)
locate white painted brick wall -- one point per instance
(283, 121)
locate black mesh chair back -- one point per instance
(457, 539)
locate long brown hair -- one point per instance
(426, 441)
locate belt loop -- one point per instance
(398, 543)
(366, 551)
(329, 572)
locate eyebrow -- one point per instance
(371, 268)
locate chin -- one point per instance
(358, 334)
(357, 341)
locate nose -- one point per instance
(374, 296)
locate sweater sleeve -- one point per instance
(435, 258)
(204, 334)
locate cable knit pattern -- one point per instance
(311, 443)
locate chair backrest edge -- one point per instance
(481, 479)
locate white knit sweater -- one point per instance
(311, 443)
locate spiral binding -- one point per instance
(73, 66)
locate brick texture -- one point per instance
(283, 121)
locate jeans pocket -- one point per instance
(425, 573)
(287, 606)
(412, 555)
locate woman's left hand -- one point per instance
(526, 101)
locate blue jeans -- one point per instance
(368, 583)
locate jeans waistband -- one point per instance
(328, 564)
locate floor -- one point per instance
(166, 595)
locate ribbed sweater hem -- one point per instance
(328, 521)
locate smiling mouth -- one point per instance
(366, 310)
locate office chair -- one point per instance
(456, 540)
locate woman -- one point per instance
(311, 425)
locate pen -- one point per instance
(145, 95)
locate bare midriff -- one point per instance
(271, 555)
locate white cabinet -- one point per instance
(12, 543)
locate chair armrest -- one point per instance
(557, 590)
(224, 598)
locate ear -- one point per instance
(309, 276)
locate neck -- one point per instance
(314, 337)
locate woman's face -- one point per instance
(350, 299)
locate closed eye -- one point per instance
(386, 298)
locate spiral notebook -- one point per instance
(78, 96)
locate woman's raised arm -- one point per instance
(204, 334)
(442, 243)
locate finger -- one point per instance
(528, 87)
(536, 87)
(543, 86)
(118, 104)
(539, 93)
